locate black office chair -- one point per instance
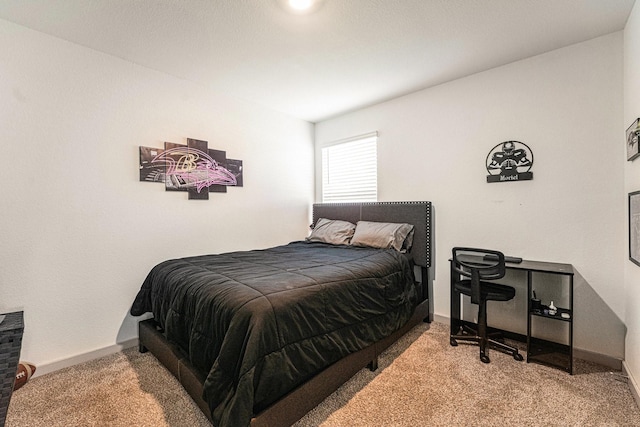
(472, 268)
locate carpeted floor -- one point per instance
(421, 380)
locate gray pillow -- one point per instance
(332, 231)
(383, 235)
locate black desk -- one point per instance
(558, 355)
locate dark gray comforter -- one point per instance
(262, 322)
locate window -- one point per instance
(350, 171)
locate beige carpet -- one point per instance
(421, 381)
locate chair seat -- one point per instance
(489, 291)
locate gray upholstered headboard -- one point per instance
(416, 213)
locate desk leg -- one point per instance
(571, 324)
(454, 314)
(529, 290)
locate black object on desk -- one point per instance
(510, 259)
(11, 330)
(557, 355)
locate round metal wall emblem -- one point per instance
(509, 161)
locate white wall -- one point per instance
(567, 106)
(632, 183)
(79, 231)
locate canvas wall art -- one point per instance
(194, 168)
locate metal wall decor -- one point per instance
(509, 161)
(194, 168)
(633, 132)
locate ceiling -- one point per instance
(346, 55)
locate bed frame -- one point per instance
(307, 396)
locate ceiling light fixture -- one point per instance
(301, 7)
(300, 4)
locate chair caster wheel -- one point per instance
(453, 342)
(518, 357)
(484, 358)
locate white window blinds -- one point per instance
(350, 170)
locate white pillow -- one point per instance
(383, 235)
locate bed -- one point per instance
(261, 337)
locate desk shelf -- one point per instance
(550, 353)
(557, 316)
(555, 354)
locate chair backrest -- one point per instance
(478, 264)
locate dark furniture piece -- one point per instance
(297, 402)
(11, 330)
(543, 351)
(551, 353)
(470, 277)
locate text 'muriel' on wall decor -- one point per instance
(509, 161)
(194, 168)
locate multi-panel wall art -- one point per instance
(193, 168)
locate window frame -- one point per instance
(358, 195)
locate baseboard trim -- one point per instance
(590, 356)
(599, 358)
(633, 385)
(440, 319)
(85, 357)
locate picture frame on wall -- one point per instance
(633, 136)
(634, 227)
